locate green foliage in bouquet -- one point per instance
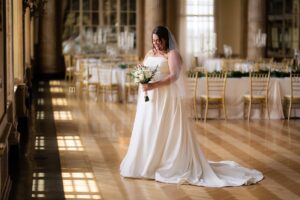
(143, 74)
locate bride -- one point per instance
(162, 145)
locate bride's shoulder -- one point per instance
(174, 54)
(149, 53)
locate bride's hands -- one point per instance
(148, 86)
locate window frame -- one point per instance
(106, 10)
(206, 39)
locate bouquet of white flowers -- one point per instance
(143, 75)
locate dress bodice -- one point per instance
(162, 66)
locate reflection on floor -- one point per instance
(76, 144)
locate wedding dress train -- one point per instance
(163, 148)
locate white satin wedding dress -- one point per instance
(163, 148)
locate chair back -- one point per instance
(105, 75)
(191, 87)
(259, 83)
(295, 84)
(68, 60)
(192, 78)
(82, 70)
(216, 84)
(131, 87)
(92, 71)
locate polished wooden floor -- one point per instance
(75, 146)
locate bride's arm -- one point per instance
(174, 62)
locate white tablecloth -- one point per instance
(118, 74)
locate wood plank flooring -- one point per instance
(77, 143)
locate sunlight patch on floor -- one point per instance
(80, 185)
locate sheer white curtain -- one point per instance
(197, 29)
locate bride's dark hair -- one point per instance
(163, 34)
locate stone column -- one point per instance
(48, 28)
(172, 18)
(154, 15)
(140, 14)
(256, 21)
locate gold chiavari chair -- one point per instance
(215, 93)
(70, 69)
(259, 90)
(86, 74)
(92, 78)
(131, 88)
(293, 100)
(106, 87)
(81, 75)
(192, 80)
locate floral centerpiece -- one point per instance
(122, 66)
(143, 74)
